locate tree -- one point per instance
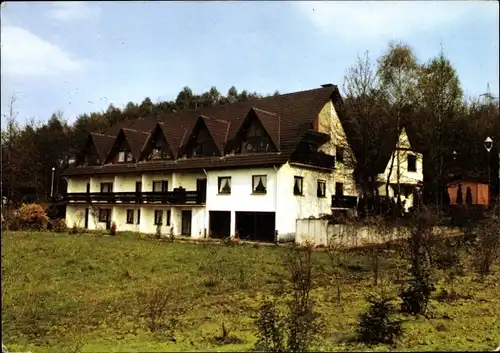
(460, 198)
(440, 101)
(363, 112)
(468, 196)
(398, 71)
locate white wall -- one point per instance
(147, 180)
(125, 183)
(291, 207)
(95, 182)
(77, 184)
(119, 217)
(406, 177)
(186, 180)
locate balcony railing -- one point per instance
(344, 201)
(319, 159)
(176, 197)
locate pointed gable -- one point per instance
(95, 149)
(258, 132)
(200, 143)
(130, 143)
(219, 130)
(156, 145)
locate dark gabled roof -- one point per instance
(102, 144)
(134, 138)
(218, 129)
(271, 123)
(281, 115)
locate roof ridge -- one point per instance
(264, 111)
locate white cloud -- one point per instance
(386, 19)
(73, 11)
(25, 54)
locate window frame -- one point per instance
(103, 184)
(300, 180)
(321, 188)
(219, 184)
(339, 154)
(261, 177)
(169, 218)
(163, 185)
(413, 159)
(103, 214)
(341, 187)
(138, 216)
(130, 220)
(156, 222)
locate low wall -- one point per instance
(320, 233)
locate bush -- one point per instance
(486, 249)
(376, 326)
(33, 216)
(112, 230)
(57, 225)
(416, 296)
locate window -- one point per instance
(321, 192)
(412, 163)
(339, 154)
(104, 215)
(224, 185)
(107, 187)
(259, 184)
(138, 186)
(125, 156)
(138, 216)
(160, 186)
(130, 216)
(257, 144)
(339, 189)
(169, 213)
(158, 217)
(297, 185)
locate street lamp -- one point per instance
(488, 144)
(52, 183)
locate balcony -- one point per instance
(318, 159)
(176, 197)
(344, 201)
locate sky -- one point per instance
(79, 57)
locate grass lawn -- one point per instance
(70, 292)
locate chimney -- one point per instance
(327, 85)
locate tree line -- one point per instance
(379, 96)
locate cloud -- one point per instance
(25, 54)
(385, 19)
(73, 11)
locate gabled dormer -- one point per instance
(200, 143)
(127, 146)
(259, 132)
(156, 146)
(95, 150)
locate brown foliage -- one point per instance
(33, 216)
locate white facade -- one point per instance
(279, 199)
(398, 169)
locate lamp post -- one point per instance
(488, 144)
(52, 183)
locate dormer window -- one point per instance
(256, 140)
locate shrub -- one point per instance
(486, 248)
(74, 229)
(57, 225)
(298, 328)
(416, 296)
(112, 230)
(158, 231)
(33, 216)
(375, 325)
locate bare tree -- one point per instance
(398, 71)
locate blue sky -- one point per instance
(80, 57)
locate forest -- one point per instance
(379, 96)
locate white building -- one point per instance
(249, 168)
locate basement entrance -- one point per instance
(258, 226)
(219, 224)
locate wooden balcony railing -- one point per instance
(344, 201)
(176, 197)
